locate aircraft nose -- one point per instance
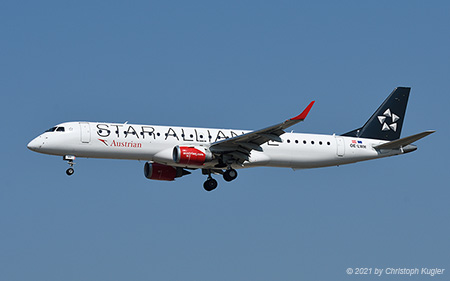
(35, 144)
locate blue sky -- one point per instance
(233, 64)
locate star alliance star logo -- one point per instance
(384, 121)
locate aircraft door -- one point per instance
(340, 146)
(85, 130)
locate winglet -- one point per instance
(305, 112)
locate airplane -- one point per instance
(172, 152)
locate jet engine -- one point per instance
(191, 155)
(156, 171)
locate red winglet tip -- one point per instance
(305, 112)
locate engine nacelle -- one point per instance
(156, 171)
(191, 155)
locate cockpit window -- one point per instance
(51, 130)
(55, 129)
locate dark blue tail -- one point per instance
(386, 123)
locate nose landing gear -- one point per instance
(70, 171)
(69, 159)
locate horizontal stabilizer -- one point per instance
(403, 141)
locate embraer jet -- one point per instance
(171, 152)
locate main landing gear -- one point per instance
(211, 184)
(69, 159)
(230, 174)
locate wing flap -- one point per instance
(250, 146)
(271, 137)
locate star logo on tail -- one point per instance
(385, 125)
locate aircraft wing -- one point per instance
(239, 147)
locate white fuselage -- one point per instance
(156, 143)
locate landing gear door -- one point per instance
(340, 146)
(85, 130)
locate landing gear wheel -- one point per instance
(210, 184)
(230, 175)
(69, 159)
(70, 171)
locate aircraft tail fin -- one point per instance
(387, 121)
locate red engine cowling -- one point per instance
(191, 155)
(156, 171)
